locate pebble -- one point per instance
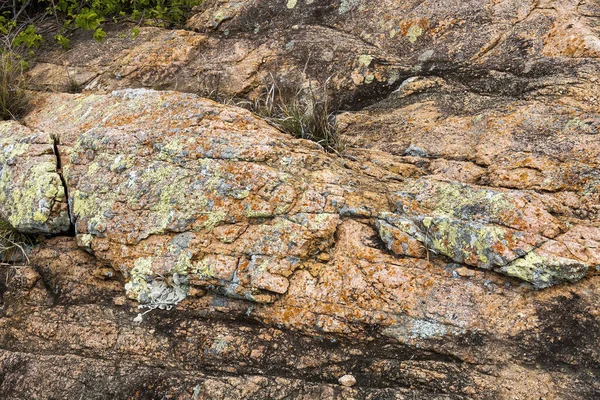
(347, 380)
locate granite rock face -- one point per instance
(452, 252)
(214, 196)
(192, 208)
(32, 195)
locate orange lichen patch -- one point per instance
(572, 40)
(159, 56)
(405, 26)
(229, 233)
(440, 27)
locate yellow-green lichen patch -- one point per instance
(90, 209)
(30, 187)
(121, 163)
(203, 269)
(258, 210)
(139, 277)
(464, 202)
(413, 33)
(472, 243)
(84, 240)
(365, 60)
(545, 270)
(93, 168)
(12, 149)
(163, 190)
(347, 5)
(183, 264)
(459, 201)
(213, 220)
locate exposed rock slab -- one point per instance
(207, 209)
(213, 194)
(70, 307)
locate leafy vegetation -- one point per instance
(20, 22)
(20, 19)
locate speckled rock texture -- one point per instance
(185, 207)
(451, 252)
(32, 195)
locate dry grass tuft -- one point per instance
(12, 244)
(304, 112)
(14, 99)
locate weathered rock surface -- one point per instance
(473, 54)
(214, 194)
(452, 253)
(32, 196)
(205, 208)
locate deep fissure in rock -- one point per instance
(55, 144)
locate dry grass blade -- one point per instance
(303, 112)
(14, 99)
(12, 244)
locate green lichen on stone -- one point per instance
(213, 220)
(121, 163)
(314, 222)
(92, 207)
(413, 33)
(393, 77)
(365, 60)
(12, 149)
(265, 212)
(464, 202)
(140, 275)
(183, 264)
(173, 194)
(466, 241)
(347, 5)
(385, 233)
(406, 225)
(291, 4)
(93, 168)
(575, 123)
(29, 188)
(241, 194)
(545, 271)
(203, 270)
(85, 240)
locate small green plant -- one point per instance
(304, 112)
(12, 244)
(14, 99)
